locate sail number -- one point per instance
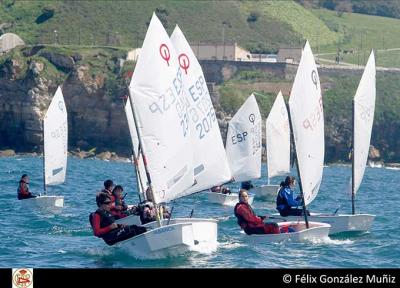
(59, 131)
(314, 117)
(206, 123)
(173, 97)
(240, 137)
(201, 110)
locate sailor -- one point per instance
(108, 187)
(285, 200)
(247, 185)
(104, 226)
(249, 221)
(221, 189)
(23, 188)
(147, 210)
(120, 209)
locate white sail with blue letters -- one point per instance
(55, 130)
(243, 142)
(157, 93)
(211, 166)
(307, 117)
(364, 108)
(278, 139)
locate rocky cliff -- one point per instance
(93, 93)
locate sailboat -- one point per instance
(243, 149)
(278, 148)
(307, 124)
(363, 116)
(55, 150)
(159, 104)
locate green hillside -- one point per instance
(361, 33)
(258, 25)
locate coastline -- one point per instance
(105, 156)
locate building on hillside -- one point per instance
(9, 41)
(269, 58)
(220, 51)
(289, 54)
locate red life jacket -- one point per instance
(242, 221)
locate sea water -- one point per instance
(30, 239)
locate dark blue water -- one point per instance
(34, 240)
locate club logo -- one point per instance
(22, 278)
(164, 52)
(184, 62)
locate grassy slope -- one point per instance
(363, 33)
(278, 22)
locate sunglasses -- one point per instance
(109, 202)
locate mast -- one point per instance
(134, 161)
(44, 162)
(297, 165)
(144, 157)
(353, 209)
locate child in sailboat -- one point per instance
(108, 187)
(221, 189)
(23, 188)
(247, 185)
(120, 209)
(249, 221)
(147, 210)
(104, 226)
(285, 201)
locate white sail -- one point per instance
(55, 126)
(156, 91)
(243, 142)
(307, 116)
(135, 144)
(210, 163)
(364, 107)
(278, 139)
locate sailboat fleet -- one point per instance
(177, 147)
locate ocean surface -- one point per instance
(31, 239)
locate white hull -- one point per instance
(340, 223)
(129, 220)
(267, 192)
(226, 199)
(179, 236)
(316, 231)
(44, 203)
